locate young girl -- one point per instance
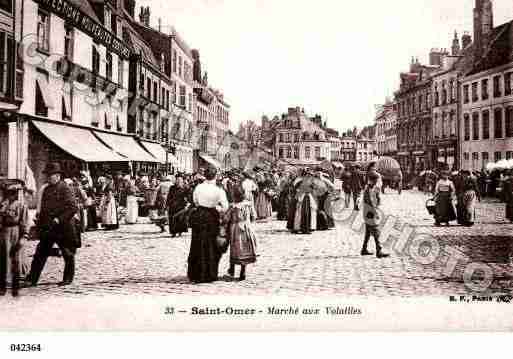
(12, 232)
(239, 233)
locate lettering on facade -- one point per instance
(73, 15)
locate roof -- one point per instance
(138, 44)
(499, 52)
(158, 41)
(86, 8)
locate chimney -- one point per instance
(160, 24)
(196, 67)
(129, 6)
(455, 50)
(435, 57)
(483, 26)
(144, 16)
(466, 40)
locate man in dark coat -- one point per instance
(356, 184)
(57, 224)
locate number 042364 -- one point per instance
(25, 347)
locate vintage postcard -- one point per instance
(256, 165)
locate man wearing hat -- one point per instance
(56, 224)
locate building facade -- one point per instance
(11, 88)
(486, 122)
(74, 107)
(166, 82)
(301, 140)
(414, 121)
(348, 147)
(444, 143)
(386, 122)
(212, 119)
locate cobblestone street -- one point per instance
(140, 260)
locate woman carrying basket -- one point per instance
(444, 192)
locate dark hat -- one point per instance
(53, 168)
(11, 185)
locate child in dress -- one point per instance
(240, 235)
(13, 217)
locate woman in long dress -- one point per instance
(470, 194)
(444, 192)
(90, 204)
(132, 205)
(263, 203)
(284, 198)
(240, 235)
(205, 252)
(109, 207)
(305, 216)
(177, 201)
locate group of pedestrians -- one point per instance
(218, 208)
(456, 196)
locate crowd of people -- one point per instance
(218, 208)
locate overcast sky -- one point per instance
(337, 58)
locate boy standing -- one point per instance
(371, 202)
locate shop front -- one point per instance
(75, 148)
(444, 155)
(139, 159)
(167, 162)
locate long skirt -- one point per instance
(263, 205)
(204, 255)
(460, 210)
(305, 219)
(291, 214)
(444, 212)
(325, 213)
(132, 210)
(242, 244)
(469, 205)
(177, 220)
(92, 218)
(109, 213)
(283, 206)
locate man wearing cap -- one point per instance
(56, 224)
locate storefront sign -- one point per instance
(84, 22)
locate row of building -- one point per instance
(90, 84)
(457, 111)
(298, 139)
